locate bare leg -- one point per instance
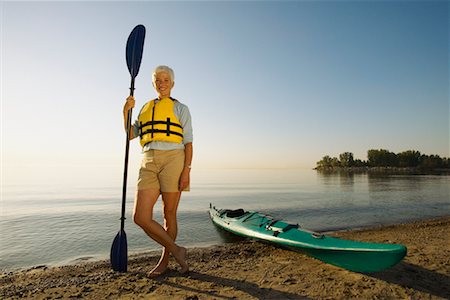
(143, 216)
(170, 205)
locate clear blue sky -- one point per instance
(269, 84)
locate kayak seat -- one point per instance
(235, 213)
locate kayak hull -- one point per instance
(351, 255)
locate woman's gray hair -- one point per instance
(163, 69)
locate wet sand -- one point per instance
(253, 270)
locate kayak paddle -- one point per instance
(119, 248)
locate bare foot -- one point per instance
(180, 257)
(161, 267)
(159, 270)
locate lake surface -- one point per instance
(45, 224)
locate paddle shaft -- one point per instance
(134, 48)
(127, 151)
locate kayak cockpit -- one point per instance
(236, 213)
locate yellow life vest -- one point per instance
(157, 122)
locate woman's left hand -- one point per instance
(184, 179)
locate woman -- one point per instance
(165, 131)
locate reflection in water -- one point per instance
(380, 182)
(345, 180)
(347, 177)
(364, 199)
(228, 237)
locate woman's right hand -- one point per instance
(129, 104)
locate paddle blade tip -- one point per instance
(119, 252)
(134, 49)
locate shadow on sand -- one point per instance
(246, 287)
(415, 277)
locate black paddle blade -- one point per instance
(119, 252)
(135, 46)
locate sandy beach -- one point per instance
(253, 270)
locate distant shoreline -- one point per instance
(385, 170)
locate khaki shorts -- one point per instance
(161, 170)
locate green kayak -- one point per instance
(350, 255)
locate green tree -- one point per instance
(381, 158)
(346, 159)
(410, 158)
(335, 162)
(325, 163)
(328, 162)
(359, 163)
(431, 162)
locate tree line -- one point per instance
(385, 158)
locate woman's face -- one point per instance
(163, 84)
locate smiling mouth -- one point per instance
(163, 90)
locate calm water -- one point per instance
(55, 225)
